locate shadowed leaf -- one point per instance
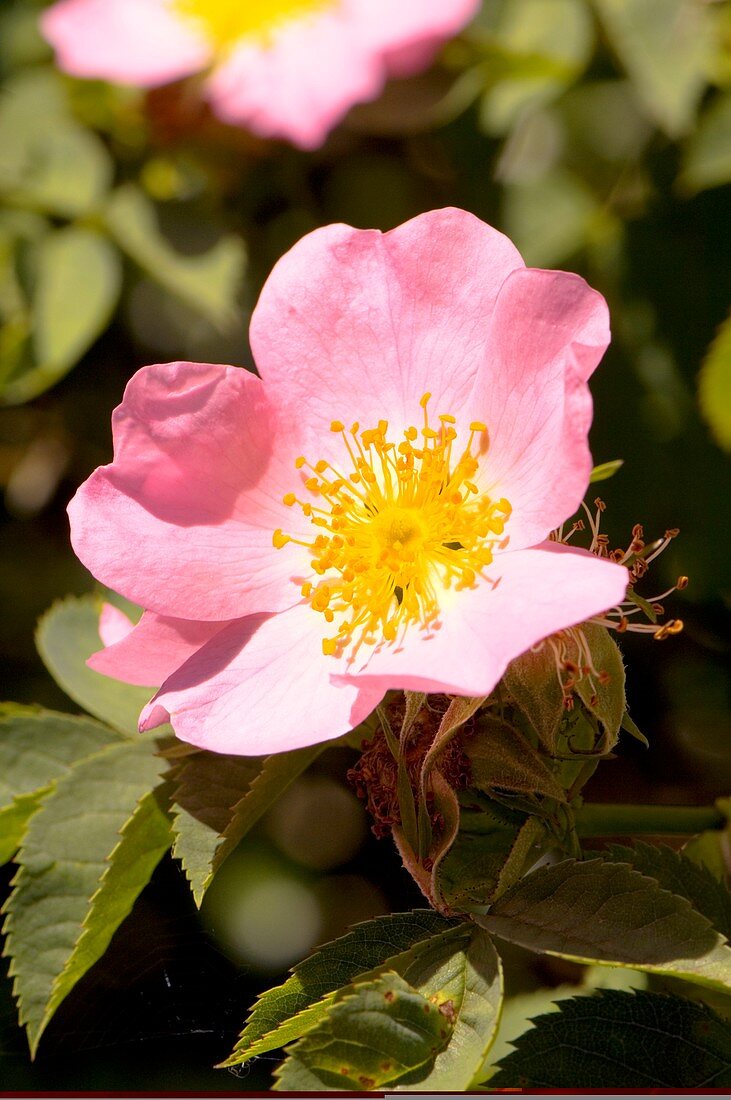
(601, 912)
(682, 876)
(622, 1040)
(218, 799)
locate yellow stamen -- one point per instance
(406, 523)
(227, 22)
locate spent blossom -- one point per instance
(375, 509)
(282, 68)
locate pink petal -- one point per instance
(358, 325)
(548, 331)
(114, 625)
(262, 685)
(305, 79)
(151, 651)
(300, 84)
(539, 591)
(409, 33)
(140, 42)
(181, 522)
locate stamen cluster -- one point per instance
(637, 557)
(226, 22)
(404, 523)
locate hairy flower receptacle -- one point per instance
(375, 777)
(397, 527)
(228, 22)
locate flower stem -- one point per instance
(621, 819)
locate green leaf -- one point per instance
(605, 470)
(551, 218)
(533, 684)
(711, 848)
(473, 985)
(459, 972)
(622, 1040)
(681, 876)
(36, 747)
(376, 1034)
(209, 283)
(62, 864)
(714, 386)
(144, 840)
(607, 913)
(14, 820)
(47, 161)
(66, 172)
(501, 757)
(67, 635)
(306, 994)
(484, 862)
(218, 799)
(77, 285)
(707, 161)
(665, 46)
(604, 696)
(519, 1011)
(206, 789)
(534, 52)
(630, 726)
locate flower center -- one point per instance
(400, 525)
(226, 22)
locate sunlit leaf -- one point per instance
(457, 971)
(37, 747)
(144, 840)
(287, 1011)
(67, 635)
(77, 285)
(665, 47)
(607, 913)
(622, 1040)
(208, 283)
(62, 862)
(714, 386)
(605, 470)
(379, 1033)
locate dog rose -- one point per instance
(374, 510)
(283, 68)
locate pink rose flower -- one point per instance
(283, 68)
(373, 511)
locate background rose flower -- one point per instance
(282, 68)
(355, 326)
